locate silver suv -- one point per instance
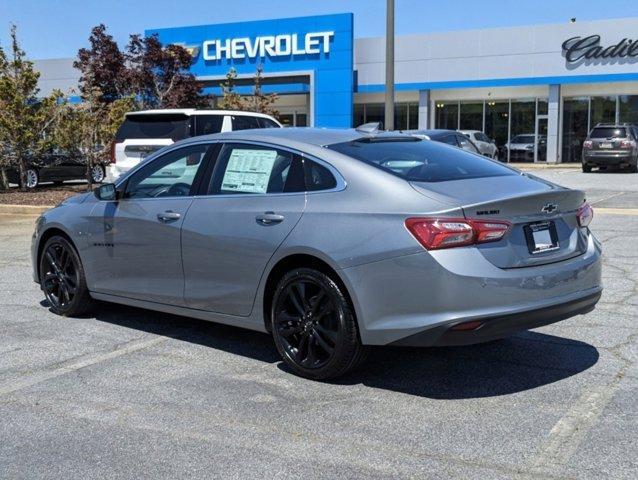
(485, 144)
(610, 144)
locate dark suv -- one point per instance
(611, 145)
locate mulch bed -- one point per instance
(44, 195)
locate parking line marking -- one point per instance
(617, 194)
(568, 433)
(82, 362)
(616, 211)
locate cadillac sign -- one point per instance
(578, 49)
(267, 46)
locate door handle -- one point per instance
(168, 216)
(269, 218)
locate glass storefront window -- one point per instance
(543, 108)
(400, 116)
(496, 122)
(413, 115)
(522, 131)
(628, 108)
(375, 112)
(575, 127)
(447, 115)
(471, 116)
(358, 117)
(603, 110)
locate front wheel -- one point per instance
(314, 327)
(62, 278)
(97, 174)
(586, 168)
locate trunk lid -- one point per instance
(522, 200)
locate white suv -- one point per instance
(142, 133)
(485, 145)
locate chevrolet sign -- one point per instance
(270, 45)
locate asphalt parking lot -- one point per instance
(129, 393)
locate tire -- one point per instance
(33, 178)
(97, 174)
(61, 271)
(586, 168)
(495, 157)
(314, 327)
(633, 168)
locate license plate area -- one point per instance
(541, 237)
(606, 145)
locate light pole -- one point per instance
(389, 66)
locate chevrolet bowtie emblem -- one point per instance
(549, 208)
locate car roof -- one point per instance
(308, 135)
(194, 111)
(470, 131)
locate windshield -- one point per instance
(523, 139)
(421, 160)
(608, 132)
(173, 126)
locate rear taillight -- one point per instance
(587, 144)
(585, 214)
(437, 233)
(627, 144)
(113, 151)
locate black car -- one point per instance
(57, 166)
(610, 144)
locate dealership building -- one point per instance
(552, 81)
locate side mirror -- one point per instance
(106, 191)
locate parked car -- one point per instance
(57, 166)
(451, 137)
(521, 148)
(486, 145)
(611, 145)
(145, 132)
(332, 240)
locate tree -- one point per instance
(258, 101)
(25, 121)
(159, 74)
(103, 66)
(88, 129)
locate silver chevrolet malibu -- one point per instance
(332, 240)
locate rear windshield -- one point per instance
(523, 139)
(608, 132)
(422, 160)
(170, 126)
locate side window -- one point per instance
(466, 144)
(243, 168)
(170, 175)
(243, 122)
(318, 177)
(207, 124)
(266, 123)
(450, 140)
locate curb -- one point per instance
(545, 166)
(24, 209)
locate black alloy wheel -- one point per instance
(313, 326)
(62, 278)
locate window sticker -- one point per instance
(248, 171)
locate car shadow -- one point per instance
(522, 362)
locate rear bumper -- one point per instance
(493, 328)
(406, 296)
(609, 159)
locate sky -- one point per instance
(58, 28)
